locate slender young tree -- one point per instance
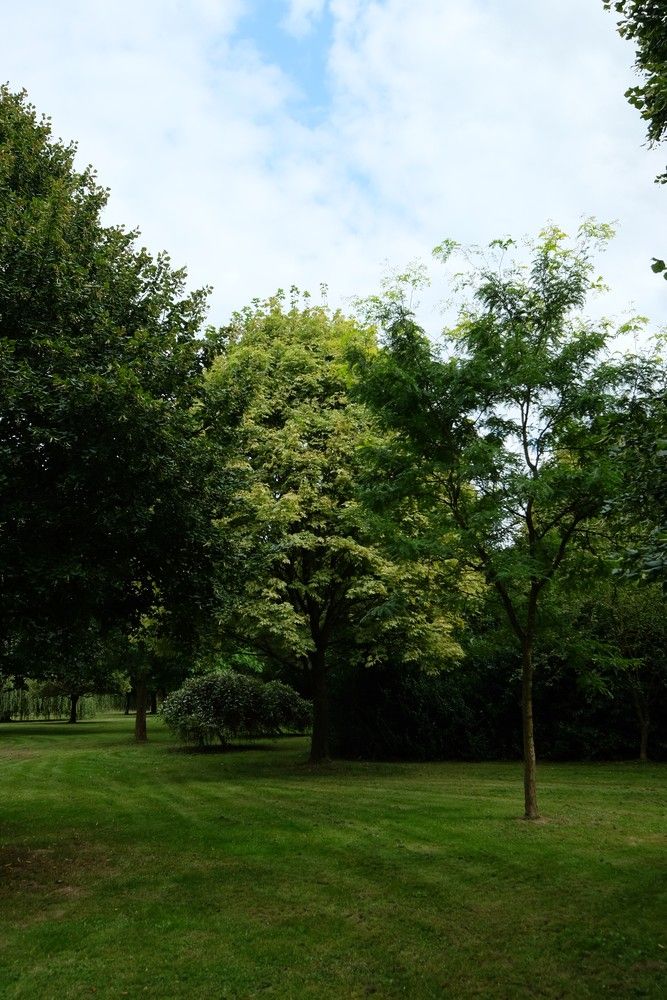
(510, 420)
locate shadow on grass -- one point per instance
(220, 750)
(274, 760)
(51, 727)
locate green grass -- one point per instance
(147, 871)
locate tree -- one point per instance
(509, 420)
(312, 577)
(101, 509)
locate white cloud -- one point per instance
(301, 16)
(448, 118)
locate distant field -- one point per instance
(147, 871)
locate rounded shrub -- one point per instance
(218, 707)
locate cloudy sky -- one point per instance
(266, 143)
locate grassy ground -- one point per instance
(146, 871)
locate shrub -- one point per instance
(283, 708)
(224, 705)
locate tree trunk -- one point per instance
(641, 707)
(319, 744)
(529, 760)
(643, 743)
(128, 698)
(73, 702)
(153, 702)
(140, 718)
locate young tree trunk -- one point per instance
(529, 760)
(140, 734)
(319, 744)
(643, 743)
(153, 702)
(128, 697)
(641, 708)
(73, 702)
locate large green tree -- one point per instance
(101, 516)
(510, 417)
(313, 576)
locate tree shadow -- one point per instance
(220, 750)
(56, 727)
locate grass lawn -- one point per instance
(147, 871)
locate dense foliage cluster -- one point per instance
(217, 707)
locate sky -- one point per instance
(271, 143)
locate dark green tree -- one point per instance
(629, 626)
(101, 462)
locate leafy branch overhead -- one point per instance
(644, 22)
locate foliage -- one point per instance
(101, 469)
(639, 511)
(600, 677)
(645, 23)
(224, 705)
(385, 713)
(283, 709)
(629, 626)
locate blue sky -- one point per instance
(299, 48)
(266, 143)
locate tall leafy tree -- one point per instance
(510, 418)
(100, 460)
(315, 578)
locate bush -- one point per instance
(224, 705)
(284, 709)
